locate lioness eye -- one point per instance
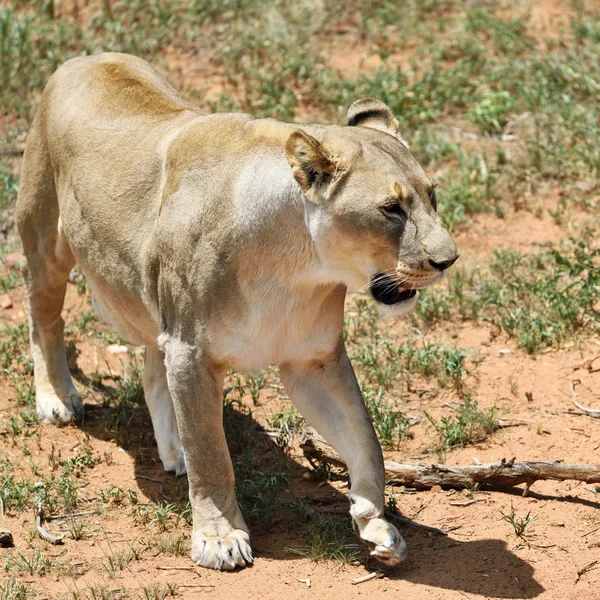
(432, 197)
(392, 211)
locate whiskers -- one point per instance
(401, 275)
(392, 274)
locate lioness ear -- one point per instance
(373, 113)
(312, 166)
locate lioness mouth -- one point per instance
(387, 291)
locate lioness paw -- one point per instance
(383, 540)
(58, 411)
(174, 461)
(222, 553)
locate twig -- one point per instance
(179, 569)
(149, 479)
(585, 569)
(593, 412)
(195, 585)
(591, 531)
(506, 473)
(586, 364)
(365, 578)
(70, 516)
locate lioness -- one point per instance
(221, 241)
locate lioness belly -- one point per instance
(125, 312)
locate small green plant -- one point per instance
(78, 530)
(255, 383)
(158, 591)
(35, 563)
(519, 523)
(470, 424)
(330, 539)
(168, 543)
(14, 589)
(491, 113)
(390, 423)
(288, 421)
(83, 320)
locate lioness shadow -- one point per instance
(279, 506)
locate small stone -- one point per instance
(504, 351)
(6, 539)
(436, 488)
(117, 349)
(6, 301)
(307, 476)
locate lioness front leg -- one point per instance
(220, 538)
(328, 395)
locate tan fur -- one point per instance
(219, 241)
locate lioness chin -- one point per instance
(221, 241)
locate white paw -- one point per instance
(222, 553)
(171, 455)
(173, 461)
(383, 540)
(55, 410)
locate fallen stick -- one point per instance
(71, 515)
(593, 412)
(506, 473)
(365, 578)
(43, 533)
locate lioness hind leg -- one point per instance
(162, 413)
(46, 270)
(220, 538)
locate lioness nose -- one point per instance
(445, 264)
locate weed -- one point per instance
(116, 561)
(468, 425)
(330, 539)
(36, 563)
(391, 424)
(78, 530)
(14, 589)
(158, 591)
(167, 543)
(519, 523)
(83, 320)
(491, 113)
(288, 421)
(255, 383)
(13, 339)
(113, 496)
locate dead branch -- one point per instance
(506, 473)
(43, 533)
(593, 412)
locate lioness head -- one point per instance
(370, 206)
